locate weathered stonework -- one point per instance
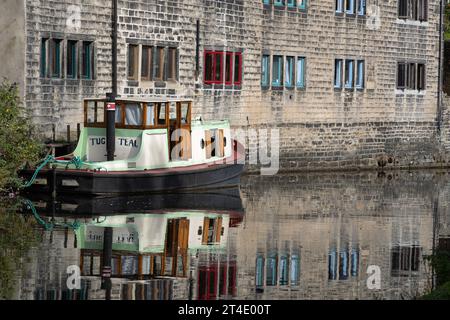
(320, 127)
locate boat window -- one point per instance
(150, 116)
(133, 114)
(161, 114)
(119, 118)
(95, 112)
(173, 111)
(185, 113)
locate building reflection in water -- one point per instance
(302, 237)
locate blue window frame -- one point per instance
(278, 3)
(44, 58)
(295, 270)
(284, 270)
(271, 270)
(332, 264)
(360, 74)
(277, 71)
(302, 4)
(361, 7)
(338, 73)
(339, 6)
(266, 2)
(349, 74)
(350, 7)
(289, 72)
(343, 264)
(265, 71)
(291, 3)
(259, 271)
(71, 59)
(301, 72)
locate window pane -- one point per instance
(265, 70)
(237, 68)
(150, 116)
(218, 67)
(133, 115)
(350, 6)
(301, 72)
(118, 114)
(159, 64)
(87, 60)
(209, 67)
(338, 73)
(401, 75)
(360, 74)
(343, 265)
(71, 59)
(172, 64)
(146, 63)
(271, 270)
(332, 264)
(302, 4)
(361, 7)
(349, 67)
(228, 68)
(259, 271)
(284, 270)
(339, 6)
(421, 76)
(289, 72)
(277, 72)
(44, 58)
(355, 263)
(295, 270)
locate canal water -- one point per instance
(360, 235)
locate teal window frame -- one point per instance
(338, 66)
(265, 71)
(55, 61)
(43, 58)
(277, 71)
(354, 258)
(266, 2)
(87, 60)
(361, 7)
(71, 72)
(302, 4)
(340, 6)
(278, 3)
(360, 74)
(349, 74)
(301, 72)
(289, 72)
(350, 6)
(332, 264)
(291, 3)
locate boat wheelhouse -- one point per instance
(158, 147)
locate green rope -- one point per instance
(75, 161)
(47, 160)
(50, 226)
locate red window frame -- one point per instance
(214, 66)
(223, 61)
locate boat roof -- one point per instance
(141, 100)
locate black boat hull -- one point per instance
(107, 183)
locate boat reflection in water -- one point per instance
(160, 251)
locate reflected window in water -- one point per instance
(405, 259)
(271, 270)
(355, 262)
(332, 264)
(259, 271)
(295, 270)
(284, 270)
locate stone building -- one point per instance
(348, 83)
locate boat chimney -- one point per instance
(111, 106)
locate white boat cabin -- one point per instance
(151, 134)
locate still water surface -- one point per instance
(306, 236)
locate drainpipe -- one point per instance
(439, 93)
(111, 109)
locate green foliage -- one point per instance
(440, 262)
(16, 143)
(17, 235)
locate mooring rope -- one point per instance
(49, 160)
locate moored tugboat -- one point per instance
(158, 148)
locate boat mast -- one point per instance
(111, 111)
